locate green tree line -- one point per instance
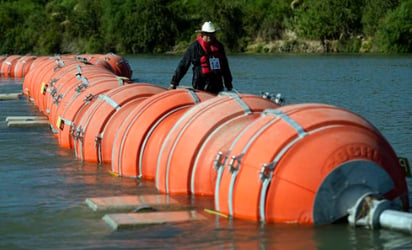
(159, 26)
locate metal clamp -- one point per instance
(266, 171)
(98, 140)
(78, 133)
(220, 160)
(53, 92)
(60, 64)
(234, 163)
(83, 85)
(80, 87)
(53, 81)
(57, 99)
(89, 98)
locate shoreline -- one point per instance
(298, 46)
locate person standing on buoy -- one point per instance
(210, 64)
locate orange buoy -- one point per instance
(210, 154)
(153, 144)
(99, 61)
(50, 79)
(104, 142)
(75, 80)
(65, 68)
(2, 59)
(7, 68)
(22, 66)
(28, 79)
(43, 79)
(183, 143)
(306, 163)
(38, 67)
(66, 116)
(92, 122)
(136, 138)
(119, 64)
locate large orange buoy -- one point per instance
(7, 68)
(153, 144)
(75, 80)
(43, 80)
(142, 127)
(99, 61)
(119, 64)
(306, 163)
(183, 143)
(2, 59)
(50, 80)
(32, 72)
(92, 122)
(68, 115)
(22, 66)
(210, 153)
(66, 67)
(38, 68)
(104, 142)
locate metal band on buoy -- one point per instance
(110, 101)
(267, 169)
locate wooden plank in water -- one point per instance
(25, 118)
(130, 220)
(10, 96)
(25, 124)
(128, 202)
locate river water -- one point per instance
(43, 187)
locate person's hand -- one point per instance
(172, 86)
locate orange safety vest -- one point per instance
(211, 61)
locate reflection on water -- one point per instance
(43, 187)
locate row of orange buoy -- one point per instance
(298, 163)
(18, 66)
(15, 65)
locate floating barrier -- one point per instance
(23, 65)
(176, 171)
(8, 65)
(145, 128)
(66, 115)
(120, 66)
(318, 163)
(299, 163)
(90, 128)
(115, 63)
(2, 58)
(32, 82)
(76, 80)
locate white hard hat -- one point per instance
(208, 27)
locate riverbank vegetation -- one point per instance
(160, 26)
